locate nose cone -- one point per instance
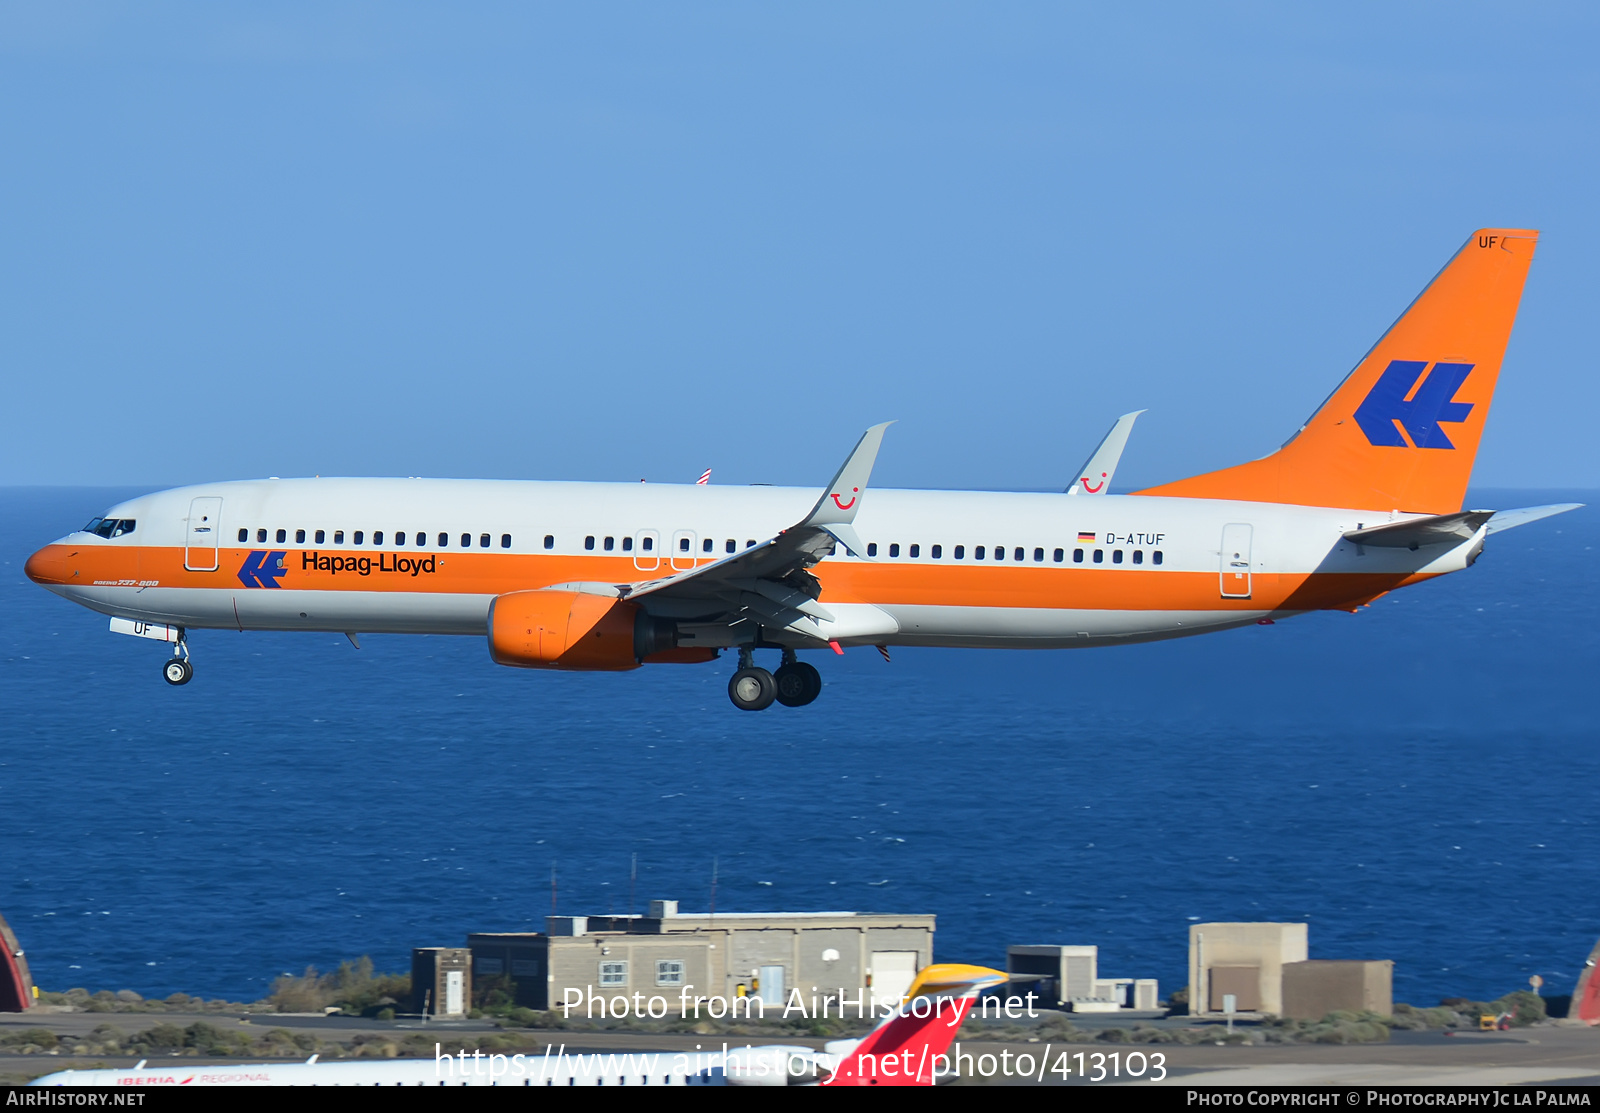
(48, 565)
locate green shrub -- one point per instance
(38, 1037)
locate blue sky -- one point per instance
(624, 241)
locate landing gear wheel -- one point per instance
(752, 689)
(798, 684)
(177, 671)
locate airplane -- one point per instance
(904, 1049)
(1366, 497)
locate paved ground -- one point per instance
(1566, 1055)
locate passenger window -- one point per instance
(466, 540)
(1077, 556)
(627, 544)
(706, 545)
(483, 540)
(1099, 556)
(321, 537)
(683, 544)
(936, 552)
(1038, 555)
(338, 537)
(400, 537)
(282, 535)
(1138, 556)
(444, 541)
(647, 543)
(1116, 556)
(961, 552)
(872, 548)
(977, 552)
(894, 549)
(355, 538)
(505, 541)
(1017, 554)
(588, 543)
(749, 544)
(377, 537)
(549, 540)
(999, 552)
(732, 546)
(1155, 557)
(1058, 555)
(261, 537)
(244, 535)
(916, 550)
(610, 543)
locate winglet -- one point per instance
(1094, 478)
(842, 498)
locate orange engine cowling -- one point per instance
(562, 630)
(573, 630)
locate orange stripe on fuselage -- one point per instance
(1049, 587)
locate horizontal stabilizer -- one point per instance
(1511, 519)
(1441, 529)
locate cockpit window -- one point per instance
(110, 527)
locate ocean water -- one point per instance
(1418, 782)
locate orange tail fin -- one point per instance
(1402, 430)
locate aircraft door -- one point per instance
(203, 532)
(647, 550)
(1236, 561)
(772, 991)
(683, 543)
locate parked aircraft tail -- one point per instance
(905, 1049)
(1402, 430)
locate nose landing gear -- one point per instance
(179, 670)
(754, 688)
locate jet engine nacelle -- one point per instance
(552, 629)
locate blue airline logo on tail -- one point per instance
(1419, 416)
(262, 569)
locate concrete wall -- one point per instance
(1313, 989)
(1266, 946)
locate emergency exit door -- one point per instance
(1236, 561)
(205, 526)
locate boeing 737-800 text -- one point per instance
(1365, 498)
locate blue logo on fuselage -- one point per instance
(262, 569)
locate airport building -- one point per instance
(1068, 977)
(1264, 969)
(675, 957)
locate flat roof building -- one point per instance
(594, 960)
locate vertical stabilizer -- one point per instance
(1402, 430)
(906, 1049)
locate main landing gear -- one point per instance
(180, 669)
(795, 684)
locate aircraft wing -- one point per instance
(770, 583)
